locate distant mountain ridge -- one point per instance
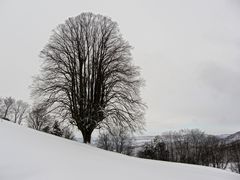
(232, 137)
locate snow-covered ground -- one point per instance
(26, 154)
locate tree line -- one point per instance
(36, 117)
(190, 146)
(193, 147)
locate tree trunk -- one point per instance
(87, 137)
(5, 114)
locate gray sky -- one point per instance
(188, 50)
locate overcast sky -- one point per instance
(188, 51)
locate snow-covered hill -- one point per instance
(26, 154)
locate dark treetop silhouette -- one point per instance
(88, 75)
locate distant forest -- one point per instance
(184, 146)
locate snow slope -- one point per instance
(26, 154)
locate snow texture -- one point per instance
(26, 154)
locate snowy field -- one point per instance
(26, 154)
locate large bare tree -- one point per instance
(88, 74)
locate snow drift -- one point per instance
(26, 154)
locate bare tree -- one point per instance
(6, 107)
(88, 75)
(39, 118)
(235, 157)
(121, 139)
(104, 141)
(68, 133)
(116, 139)
(209, 147)
(182, 146)
(168, 138)
(156, 149)
(195, 139)
(60, 129)
(19, 111)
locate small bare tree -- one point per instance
(88, 74)
(61, 129)
(168, 138)
(182, 150)
(39, 118)
(68, 133)
(104, 141)
(6, 107)
(116, 139)
(156, 149)
(235, 157)
(19, 111)
(121, 139)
